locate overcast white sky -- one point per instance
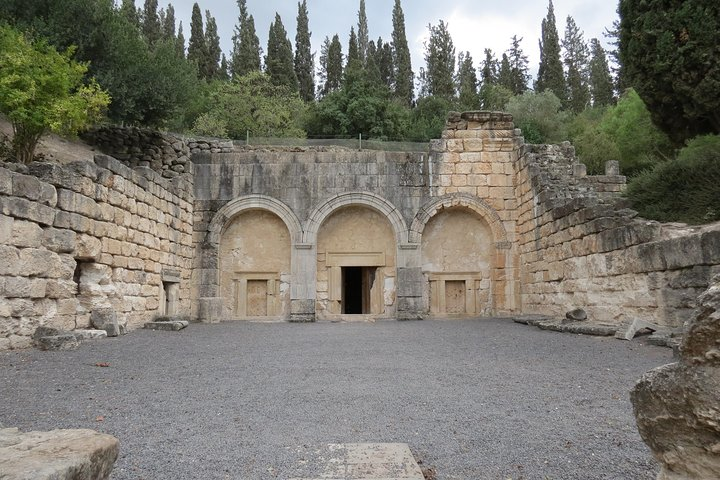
(474, 24)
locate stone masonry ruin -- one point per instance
(482, 224)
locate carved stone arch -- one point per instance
(252, 202)
(370, 200)
(477, 205)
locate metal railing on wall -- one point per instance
(358, 143)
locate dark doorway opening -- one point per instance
(357, 284)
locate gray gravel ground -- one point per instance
(481, 399)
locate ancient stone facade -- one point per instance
(480, 224)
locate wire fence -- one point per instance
(358, 143)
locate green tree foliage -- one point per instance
(438, 79)
(246, 52)
(601, 83)
(180, 42)
(518, 61)
(686, 189)
(168, 23)
(120, 59)
(130, 12)
(384, 61)
(489, 69)
(42, 90)
(353, 57)
(401, 57)
(539, 116)
(550, 73)
(576, 61)
(467, 83)
(428, 118)
(504, 77)
(331, 65)
(669, 50)
(151, 27)
(224, 72)
(371, 67)
(252, 103)
(363, 35)
(623, 132)
(361, 106)
(197, 47)
(304, 59)
(279, 60)
(212, 40)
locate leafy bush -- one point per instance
(539, 116)
(686, 189)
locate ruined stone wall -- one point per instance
(581, 247)
(83, 236)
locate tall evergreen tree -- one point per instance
(617, 69)
(384, 60)
(223, 73)
(371, 66)
(130, 12)
(151, 28)
(550, 74)
(576, 62)
(212, 40)
(180, 42)
(168, 24)
(601, 84)
(505, 77)
(363, 36)
(331, 65)
(439, 77)
(401, 57)
(467, 82)
(353, 56)
(304, 59)
(197, 47)
(518, 67)
(279, 60)
(246, 52)
(489, 69)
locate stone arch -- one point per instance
(252, 202)
(366, 199)
(465, 200)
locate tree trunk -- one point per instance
(24, 142)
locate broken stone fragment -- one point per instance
(63, 341)
(677, 406)
(576, 315)
(107, 319)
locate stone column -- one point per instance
(303, 284)
(411, 304)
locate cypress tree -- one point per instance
(279, 59)
(197, 47)
(401, 57)
(489, 70)
(151, 28)
(246, 52)
(180, 42)
(601, 84)
(130, 12)
(518, 67)
(550, 74)
(439, 77)
(467, 82)
(223, 73)
(212, 40)
(576, 61)
(363, 36)
(304, 59)
(353, 57)
(168, 24)
(371, 67)
(331, 65)
(384, 61)
(505, 77)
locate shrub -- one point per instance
(686, 189)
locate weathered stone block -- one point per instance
(9, 260)
(22, 208)
(63, 341)
(21, 287)
(5, 181)
(107, 319)
(88, 247)
(55, 455)
(59, 241)
(77, 203)
(73, 221)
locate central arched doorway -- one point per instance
(356, 264)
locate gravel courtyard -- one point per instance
(480, 399)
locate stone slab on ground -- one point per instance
(56, 455)
(561, 325)
(171, 326)
(63, 341)
(629, 330)
(89, 334)
(367, 461)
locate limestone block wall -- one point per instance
(88, 235)
(581, 247)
